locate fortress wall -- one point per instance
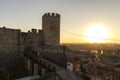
(34, 38)
(23, 40)
(15, 40)
(9, 39)
(55, 54)
(54, 48)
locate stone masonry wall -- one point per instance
(51, 28)
(15, 40)
(9, 39)
(34, 38)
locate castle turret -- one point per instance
(51, 28)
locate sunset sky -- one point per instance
(76, 16)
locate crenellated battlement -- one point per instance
(35, 31)
(51, 15)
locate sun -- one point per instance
(97, 34)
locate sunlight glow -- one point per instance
(97, 34)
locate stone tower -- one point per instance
(51, 28)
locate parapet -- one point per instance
(28, 31)
(40, 31)
(51, 15)
(4, 27)
(34, 30)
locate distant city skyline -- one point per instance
(76, 16)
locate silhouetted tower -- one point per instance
(51, 28)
